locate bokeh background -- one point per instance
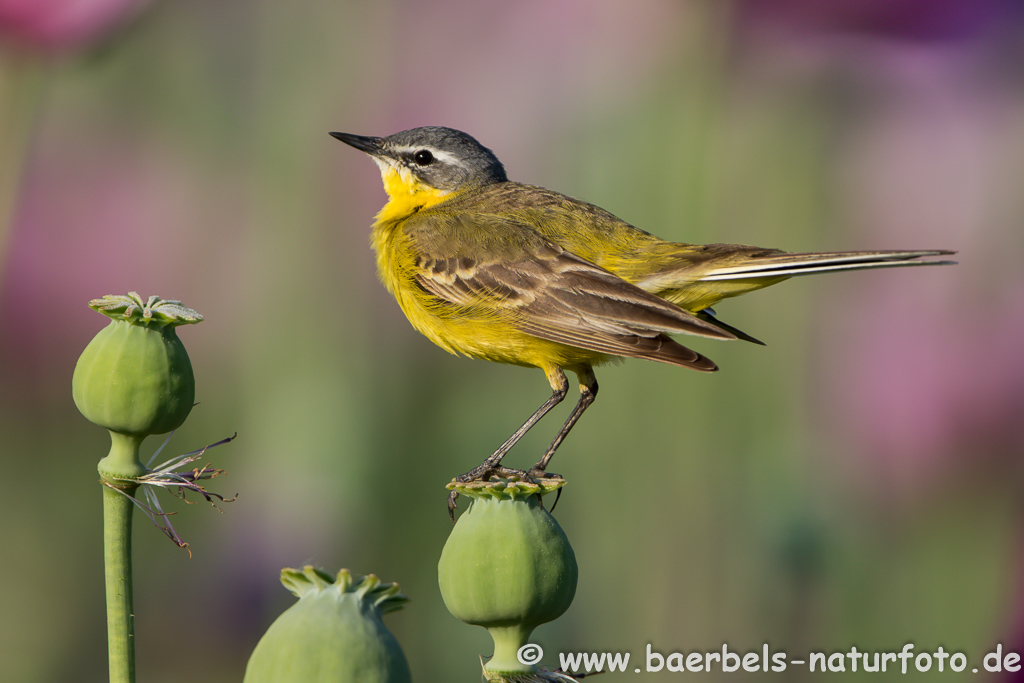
(856, 482)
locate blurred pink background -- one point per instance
(856, 482)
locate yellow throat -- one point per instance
(407, 194)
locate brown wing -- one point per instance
(552, 294)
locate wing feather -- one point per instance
(552, 294)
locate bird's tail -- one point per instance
(784, 265)
(721, 271)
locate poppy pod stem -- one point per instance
(134, 379)
(117, 563)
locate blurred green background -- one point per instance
(856, 482)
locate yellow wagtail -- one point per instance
(518, 274)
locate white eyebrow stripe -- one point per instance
(440, 155)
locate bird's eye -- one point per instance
(423, 157)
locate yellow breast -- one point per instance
(478, 332)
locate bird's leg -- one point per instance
(588, 392)
(492, 465)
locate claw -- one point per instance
(485, 472)
(452, 497)
(558, 494)
(537, 472)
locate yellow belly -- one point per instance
(476, 331)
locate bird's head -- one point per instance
(429, 163)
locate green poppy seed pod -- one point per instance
(135, 377)
(507, 566)
(333, 634)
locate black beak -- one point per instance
(372, 146)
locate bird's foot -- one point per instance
(485, 473)
(537, 472)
